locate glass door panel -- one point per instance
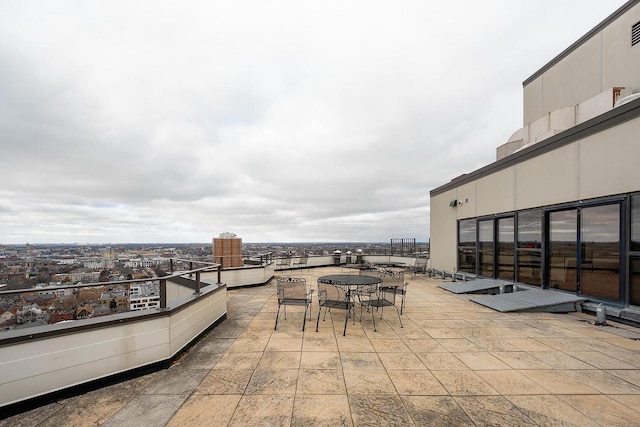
(634, 297)
(600, 249)
(506, 248)
(562, 254)
(485, 247)
(467, 245)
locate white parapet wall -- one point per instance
(45, 359)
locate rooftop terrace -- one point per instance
(454, 363)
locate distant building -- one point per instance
(560, 208)
(84, 311)
(143, 296)
(227, 250)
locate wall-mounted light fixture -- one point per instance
(453, 203)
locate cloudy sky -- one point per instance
(280, 121)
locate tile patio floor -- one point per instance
(454, 363)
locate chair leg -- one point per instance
(304, 318)
(277, 315)
(346, 320)
(318, 321)
(373, 317)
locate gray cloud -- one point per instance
(287, 121)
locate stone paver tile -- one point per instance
(247, 360)
(463, 383)
(564, 344)
(389, 345)
(520, 360)
(230, 328)
(493, 344)
(459, 345)
(560, 360)
(148, 410)
(37, 416)
(599, 360)
(90, 409)
(456, 323)
(360, 361)
(368, 382)
(558, 382)
(176, 380)
(511, 382)
(550, 411)
(273, 382)
(436, 411)
(481, 360)
(263, 410)
(378, 411)
(354, 344)
(418, 382)
(528, 344)
(284, 344)
(253, 333)
(320, 360)
(321, 381)
(630, 401)
(493, 411)
(289, 332)
(406, 361)
(323, 332)
(442, 362)
(225, 381)
(327, 343)
(411, 333)
(626, 343)
(206, 354)
(630, 375)
(442, 333)
(424, 345)
(603, 410)
(604, 382)
(276, 360)
(321, 410)
(243, 345)
(205, 410)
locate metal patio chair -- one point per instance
(394, 282)
(293, 291)
(378, 298)
(282, 263)
(334, 295)
(301, 262)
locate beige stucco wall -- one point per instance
(609, 161)
(605, 60)
(600, 165)
(443, 231)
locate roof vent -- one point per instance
(635, 34)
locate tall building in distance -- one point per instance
(227, 250)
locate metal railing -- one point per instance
(18, 297)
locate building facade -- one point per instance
(227, 250)
(560, 207)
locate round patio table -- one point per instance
(351, 283)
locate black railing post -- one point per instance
(197, 282)
(190, 268)
(171, 265)
(163, 293)
(219, 274)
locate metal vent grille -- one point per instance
(635, 34)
